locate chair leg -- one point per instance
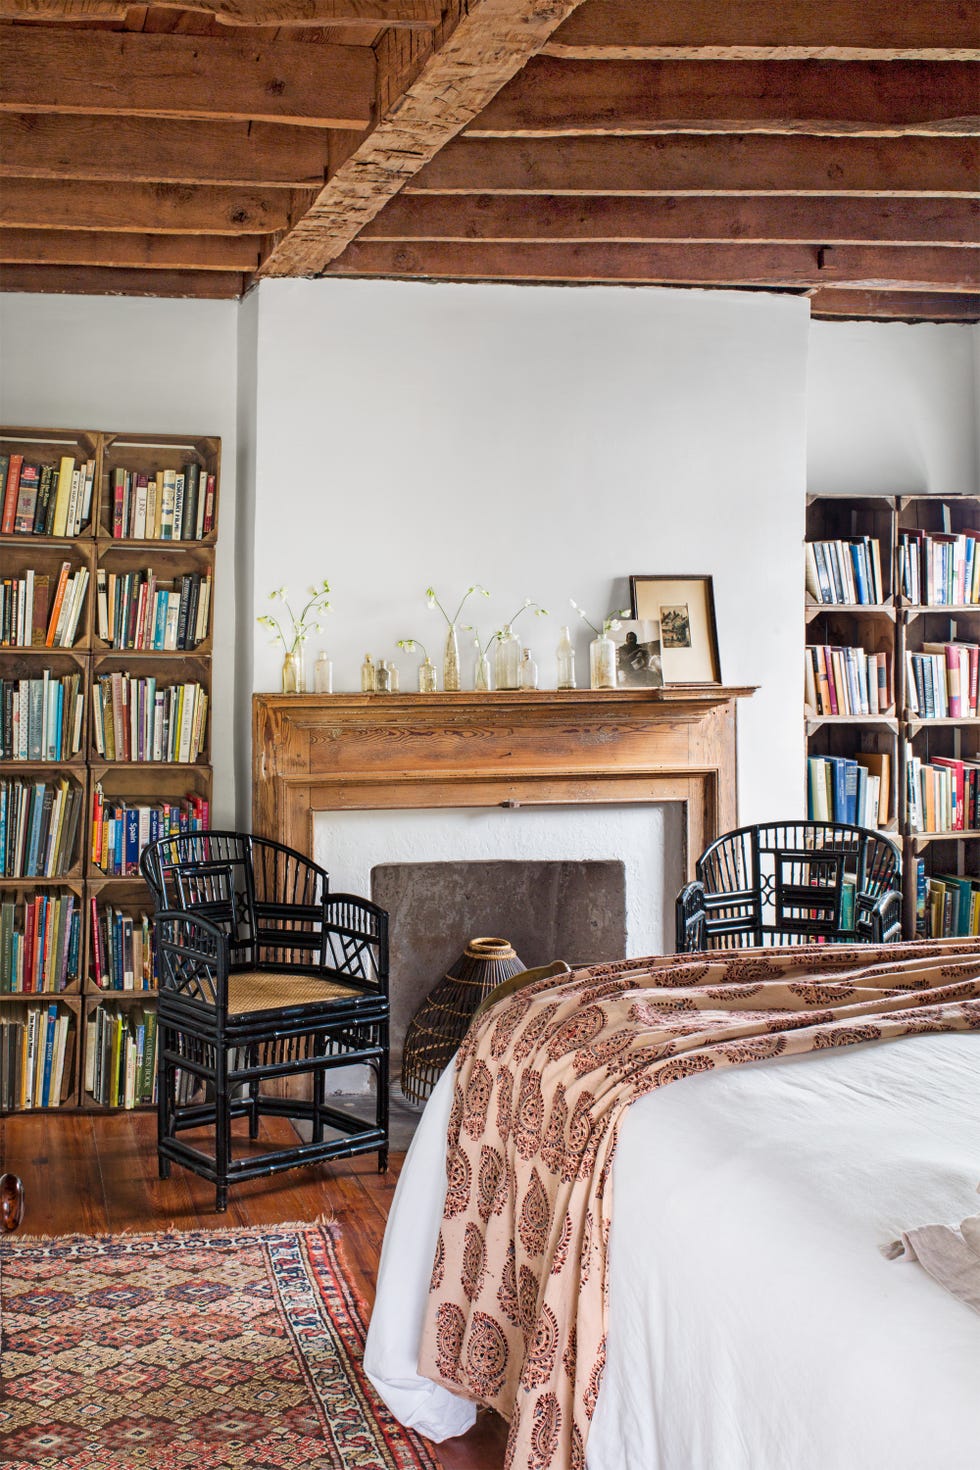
(381, 1084)
(222, 1129)
(166, 1100)
(319, 1095)
(253, 1112)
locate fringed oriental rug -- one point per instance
(209, 1350)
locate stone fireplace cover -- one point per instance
(566, 910)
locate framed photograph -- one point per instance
(638, 663)
(683, 608)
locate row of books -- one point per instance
(136, 610)
(844, 570)
(41, 719)
(36, 1056)
(170, 505)
(943, 794)
(135, 720)
(123, 956)
(45, 499)
(947, 905)
(941, 681)
(120, 1055)
(121, 829)
(846, 681)
(39, 822)
(940, 569)
(30, 617)
(841, 789)
(40, 943)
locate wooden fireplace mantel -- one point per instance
(345, 752)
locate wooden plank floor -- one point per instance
(98, 1174)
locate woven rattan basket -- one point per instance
(441, 1021)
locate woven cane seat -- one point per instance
(271, 990)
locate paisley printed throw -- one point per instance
(517, 1306)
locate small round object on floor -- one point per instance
(11, 1201)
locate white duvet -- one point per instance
(754, 1323)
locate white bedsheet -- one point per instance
(753, 1322)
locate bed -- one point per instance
(753, 1320)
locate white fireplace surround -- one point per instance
(648, 839)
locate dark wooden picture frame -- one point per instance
(684, 606)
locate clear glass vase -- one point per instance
(507, 659)
(323, 675)
(427, 677)
(566, 661)
(450, 662)
(602, 662)
(482, 679)
(293, 673)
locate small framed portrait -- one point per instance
(638, 662)
(683, 609)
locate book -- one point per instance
(66, 470)
(30, 479)
(11, 488)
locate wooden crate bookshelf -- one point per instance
(96, 548)
(901, 627)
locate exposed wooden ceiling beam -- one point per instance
(124, 73)
(488, 45)
(873, 99)
(93, 281)
(179, 209)
(403, 14)
(144, 150)
(756, 29)
(148, 252)
(902, 305)
(685, 163)
(888, 267)
(722, 219)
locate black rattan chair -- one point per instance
(264, 976)
(792, 883)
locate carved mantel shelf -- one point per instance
(347, 752)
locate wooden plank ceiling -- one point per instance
(831, 149)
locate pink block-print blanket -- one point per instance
(517, 1307)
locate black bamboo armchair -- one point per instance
(792, 883)
(265, 976)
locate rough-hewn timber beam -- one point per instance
(488, 46)
(94, 281)
(134, 74)
(886, 267)
(781, 219)
(402, 14)
(144, 150)
(149, 252)
(870, 98)
(901, 305)
(711, 164)
(703, 29)
(176, 209)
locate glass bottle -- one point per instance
(427, 676)
(293, 674)
(602, 662)
(528, 672)
(392, 677)
(566, 661)
(506, 659)
(450, 662)
(369, 676)
(481, 670)
(382, 677)
(323, 674)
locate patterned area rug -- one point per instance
(212, 1350)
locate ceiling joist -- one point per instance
(182, 209)
(872, 99)
(712, 164)
(401, 14)
(785, 219)
(147, 252)
(654, 30)
(871, 267)
(901, 305)
(96, 281)
(122, 73)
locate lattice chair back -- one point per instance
(211, 875)
(792, 883)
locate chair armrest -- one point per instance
(355, 940)
(886, 918)
(690, 914)
(192, 957)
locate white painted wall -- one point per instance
(147, 366)
(546, 443)
(893, 409)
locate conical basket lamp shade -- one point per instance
(441, 1021)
